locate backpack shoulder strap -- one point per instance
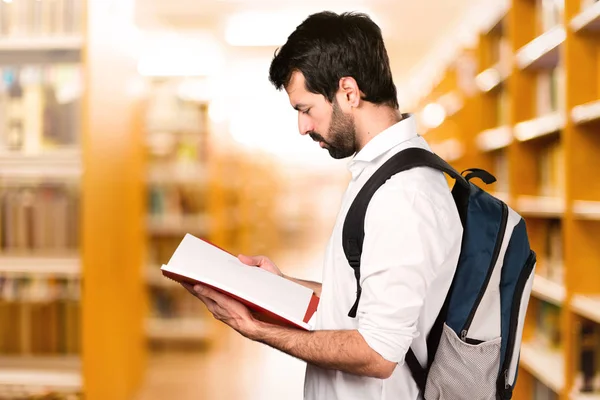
(353, 231)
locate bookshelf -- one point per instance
(72, 42)
(546, 366)
(30, 376)
(535, 126)
(178, 184)
(70, 205)
(198, 181)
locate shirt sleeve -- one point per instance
(403, 250)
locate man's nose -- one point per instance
(304, 126)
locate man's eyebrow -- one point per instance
(298, 106)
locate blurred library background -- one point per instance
(126, 124)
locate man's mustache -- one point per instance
(316, 137)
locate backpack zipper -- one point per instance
(499, 240)
(516, 305)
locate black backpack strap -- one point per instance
(353, 231)
(417, 371)
(354, 226)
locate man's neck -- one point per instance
(373, 120)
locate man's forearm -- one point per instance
(314, 286)
(345, 350)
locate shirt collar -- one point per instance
(384, 141)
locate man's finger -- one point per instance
(189, 287)
(210, 304)
(210, 293)
(255, 261)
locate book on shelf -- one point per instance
(176, 203)
(35, 18)
(501, 54)
(548, 333)
(587, 354)
(40, 107)
(501, 170)
(39, 218)
(553, 252)
(39, 315)
(549, 14)
(502, 108)
(543, 392)
(269, 296)
(169, 111)
(551, 172)
(550, 91)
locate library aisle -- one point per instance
(125, 124)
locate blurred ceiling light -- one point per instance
(7, 1)
(433, 115)
(264, 29)
(173, 54)
(260, 29)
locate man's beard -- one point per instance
(342, 134)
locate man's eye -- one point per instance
(306, 111)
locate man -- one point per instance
(336, 72)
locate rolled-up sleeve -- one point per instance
(403, 249)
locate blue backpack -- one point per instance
(474, 345)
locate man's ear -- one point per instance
(349, 93)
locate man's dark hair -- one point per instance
(327, 47)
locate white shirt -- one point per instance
(411, 247)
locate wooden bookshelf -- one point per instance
(548, 290)
(587, 20)
(54, 164)
(177, 186)
(42, 44)
(178, 329)
(536, 129)
(539, 127)
(543, 51)
(64, 139)
(586, 306)
(40, 266)
(491, 78)
(539, 206)
(179, 225)
(586, 113)
(546, 365)
(589, 210)
(495, 138)
(585, 396)
(34, 375)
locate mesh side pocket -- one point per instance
(463, 371)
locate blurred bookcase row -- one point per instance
(177, 187)
(200, 182)
(64, 207)
(524, 103)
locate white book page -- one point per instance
(204, 262)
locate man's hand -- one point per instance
(268, 265)
(261, 262)
(226, 309)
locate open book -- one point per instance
(270, 296)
